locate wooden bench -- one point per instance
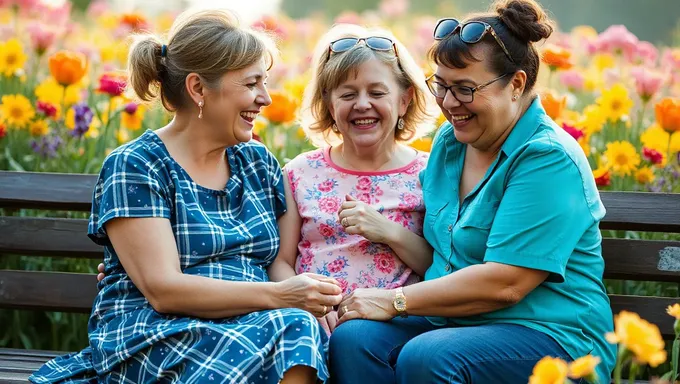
(639, 260)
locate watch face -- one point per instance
(399, 303)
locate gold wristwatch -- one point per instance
(400, 302)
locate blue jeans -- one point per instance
(412, 350)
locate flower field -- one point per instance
(64, 106)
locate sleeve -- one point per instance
(127, 187)
(278, 191)
(542, 215)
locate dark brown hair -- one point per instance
(518, 23)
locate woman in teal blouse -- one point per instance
(513, 214)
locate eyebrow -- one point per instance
(460, 81)
(372, 85)
(256, 76)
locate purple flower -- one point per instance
(131, 108)
(83, 119)
(47, 146)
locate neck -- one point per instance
(193, 141)
(492, 150)
(367, 159)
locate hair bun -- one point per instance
(526, 19)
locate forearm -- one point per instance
(470, 291)
(205, 297)
(280, 270)
(412, 249)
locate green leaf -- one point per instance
(13, 164)
(25, 340)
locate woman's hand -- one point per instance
(100, 275)
(359, 218)
(329, 322)
(367, 303)
(314, 293)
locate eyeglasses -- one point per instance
(471, 32)
(375, 43)
(462, 93)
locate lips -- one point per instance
(249, 116)
(462, 117)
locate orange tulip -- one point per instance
(668, 114)
(68, 67)
(282, 110)
(556, 57)
(553, 104)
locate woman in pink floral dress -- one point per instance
(358, 198)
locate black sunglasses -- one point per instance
(461, 93)
(471, 32)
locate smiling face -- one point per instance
(234, 105)
(368, 104)
(491, 113)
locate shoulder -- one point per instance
(143, 155)
(302, 160)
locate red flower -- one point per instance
(573, 131)
(112, 84)
(329, 205)
(384, 262)
(3, 131)
(305, 244)
(47, 109)
(326, 230)
(409, 201)
(652, 155)
(326, 186)
(602, 177)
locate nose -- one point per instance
(263, 98)
(450, 100)
(363, 102)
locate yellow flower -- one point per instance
(584, 367)
(656, 138)
(602, 61)
(123, 136)
(615, 103)
(674, 310)
(593, 80)
(12, 57)
(644, 175)
(423, 144)
(585, 31)
(622, 158)
(549, 370)
(132, 117)
(16, 110)
(258, 126)
(592, 120)
(51, 92)
(296, 87)
(640, 337)
(39, 128)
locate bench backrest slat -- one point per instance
(47, 237)
(47, 291)
(38, 190)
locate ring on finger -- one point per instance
(325, 309)
(345, 223)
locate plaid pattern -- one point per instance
(228, 234)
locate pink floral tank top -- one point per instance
(319, 188)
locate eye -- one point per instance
(251, 85)
(378, 94)
(347, 96)
(462, 90)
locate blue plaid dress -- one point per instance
(228, 234)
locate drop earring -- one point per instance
(200, 109)
(400, 124)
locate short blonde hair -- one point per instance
(330, 73)
(207, 42)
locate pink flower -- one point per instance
(409, 201)
(305, 244)
(364, 183)
(365, 197)
(384, 262)
(670, 62)
(617, 39)
(336, 265)
(305, 264)
(326, 186)
(647, 82)
(97, 8)
(573, 131)
(348, 17)
(113, 85)
(646, 53)
(393, 8)
(343, 284)
(572, 79)
(329, 205)
(315, 155)
(270, 24)
(41, 37)
(326, 230)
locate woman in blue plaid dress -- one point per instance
(189, 230)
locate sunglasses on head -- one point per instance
(375, 43)
(471, 32)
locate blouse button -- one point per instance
(450, 227)
(447, 268)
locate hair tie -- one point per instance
(164, 50)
